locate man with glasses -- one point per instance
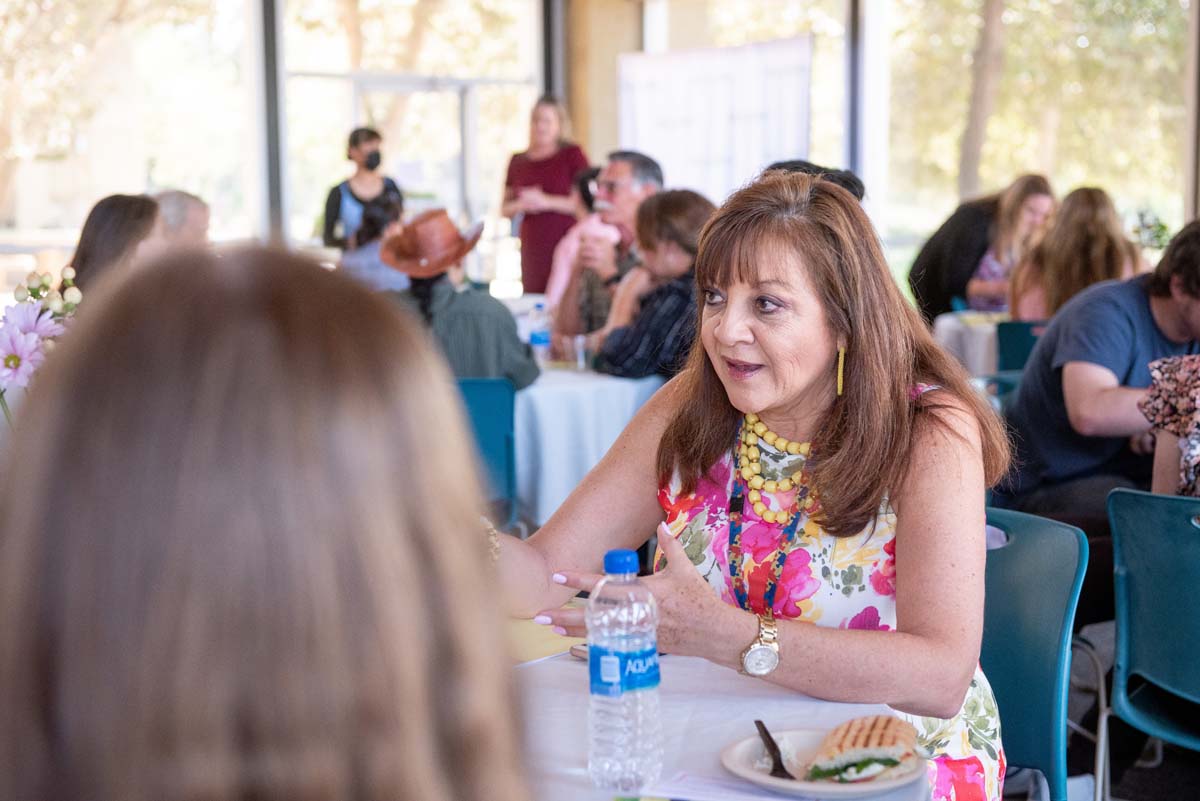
(627, 179)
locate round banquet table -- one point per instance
(970, 337)
(564, 424)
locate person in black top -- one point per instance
(948, 259)
(653, 320)
(349, 202)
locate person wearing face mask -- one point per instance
(349, 201)
(537, 188)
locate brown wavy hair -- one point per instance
(674, 215)
(1005, 244)
(1085, 244)
(110, 235)
(222, 575)
(865, 438)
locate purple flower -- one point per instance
(31, 318)
(20, 355)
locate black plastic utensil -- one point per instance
(777, 768)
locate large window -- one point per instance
(448, 83)
(1086, 93)
(105, 97)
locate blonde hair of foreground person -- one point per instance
(231, 565)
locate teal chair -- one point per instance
(490, 404)
(1014, 343)
(1033, 583)
(1156, 564)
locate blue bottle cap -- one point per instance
(621, 560)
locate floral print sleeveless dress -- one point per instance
(840, 582)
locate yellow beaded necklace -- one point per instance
(754, 431)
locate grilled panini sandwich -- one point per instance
(865, 748)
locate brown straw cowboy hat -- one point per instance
(428, 245)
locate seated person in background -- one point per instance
(476, 332)
(233, 600)
(1173, 408)
(379, 221)
(1085, 244)
(949, 258)
(589, 226)
(627, 179)
(846, 179)
(185, 218)
(653, 320)
(1021, 215)
(1078, 429)
(119, 231)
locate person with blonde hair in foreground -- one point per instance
(223, 575)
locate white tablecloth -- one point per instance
(704, 708)
(971, 337)
(565, 422)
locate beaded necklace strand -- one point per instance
(748, 479)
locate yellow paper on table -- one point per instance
(530, 641)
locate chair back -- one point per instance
(1033, 584)
(490, 404)
(1014, 343)
(1156, 564)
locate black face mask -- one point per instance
(374, 158)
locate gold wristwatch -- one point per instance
(762, 656)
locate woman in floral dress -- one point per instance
(818, 472)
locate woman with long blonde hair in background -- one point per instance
(231, 565)
(1085, 244)
(537, 189)
(1022, 211)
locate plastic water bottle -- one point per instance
(624, 730)
(539, 333)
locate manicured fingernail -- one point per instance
(559, 630)
(559, 578)
(663, 530)
(543, 620)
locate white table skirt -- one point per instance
(565, 422)
(704, 708)
(970, 337)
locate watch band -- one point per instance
(768, 630)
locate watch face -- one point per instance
(760, 660)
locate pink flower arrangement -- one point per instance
(30, 326)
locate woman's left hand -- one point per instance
(685, 601)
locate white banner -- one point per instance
(714, 118)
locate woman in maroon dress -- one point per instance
(538, 187)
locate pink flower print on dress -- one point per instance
(959, 780)
(883, 579)
(867, 620)
(796, 585)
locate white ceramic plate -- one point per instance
(747, 759)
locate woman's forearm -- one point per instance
(525, 579)
(922, 676)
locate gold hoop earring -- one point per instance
(841, 369)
